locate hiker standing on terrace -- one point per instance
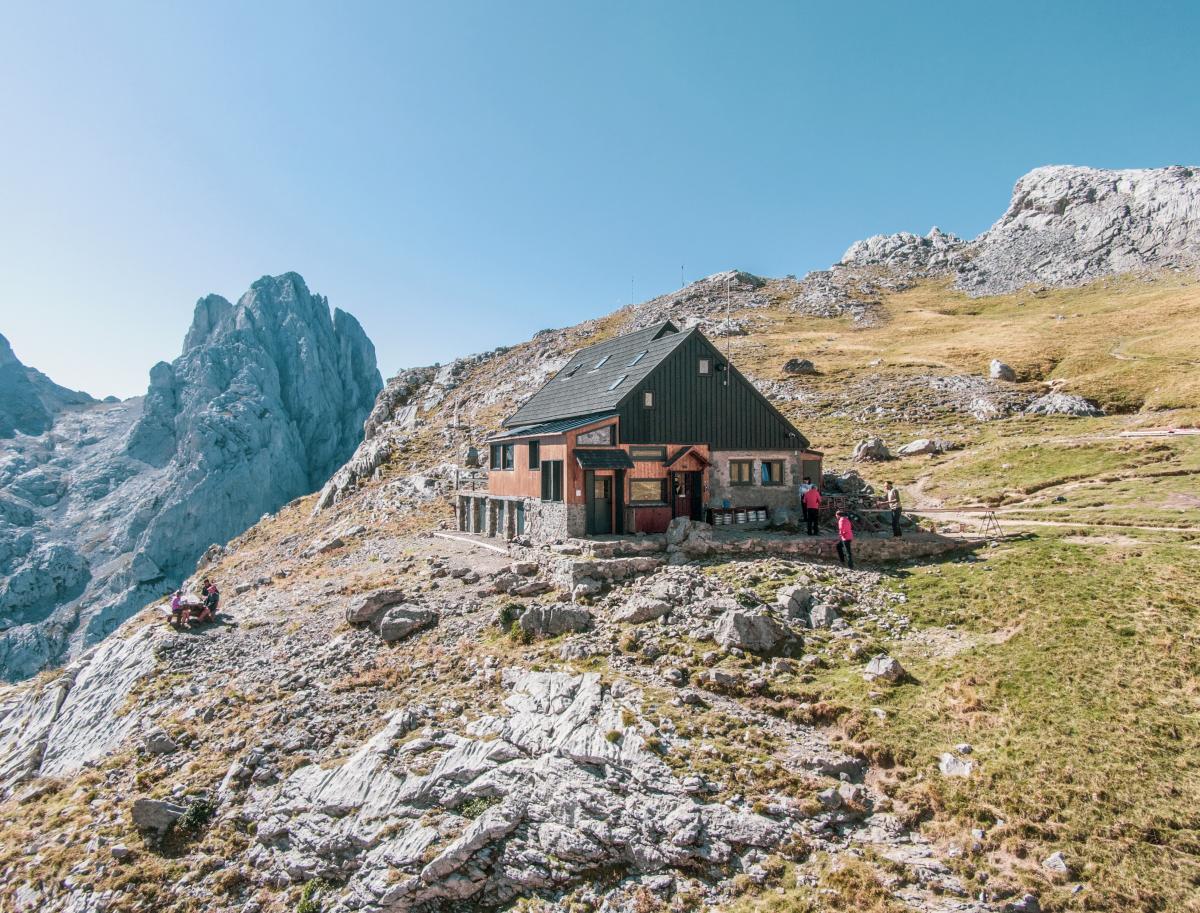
(845, 538)
(893, 502)
(810, 499)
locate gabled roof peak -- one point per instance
(599, 376)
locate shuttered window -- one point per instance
(741, 472)
(772, 472)
(535, 455)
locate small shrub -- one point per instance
(198, 814)
(613, 735)
(477, 805)
(508, 614)
(310, 895)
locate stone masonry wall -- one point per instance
(756, 495)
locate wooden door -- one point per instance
(600, 505)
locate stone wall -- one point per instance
(547, 521)
(756, 495)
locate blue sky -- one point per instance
(460, 175)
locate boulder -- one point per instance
(871, 449)
(157, 815)
(882, 666)
(505, 582)
(404, 620)
(755, 632)
(794, 600)
(1027, 904)
(924, 445)
(523, 568)
(552, 620)
(530, 588)
(365, 608)
(640, 609)
(823, 615)
(953, 766)
(998, 370)
(585, 587)
(156, 741)
(1063, 404)
(799, 366)
(1056, 863)
(678, 530)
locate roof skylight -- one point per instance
(616, 383)
(638, 357)
(600, 363)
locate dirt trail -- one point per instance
(976, 517)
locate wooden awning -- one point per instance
(684, 451)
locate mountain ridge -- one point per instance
(265, 401)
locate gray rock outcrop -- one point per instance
(755, 632)
(110, 505)
(29, 400)
(871, 449)
(998, 370)
(885, 668)
(925, 445)
(156, 815)
(1063, 404)
(1065, 225)
(404, 620)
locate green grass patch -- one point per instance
(1081, 701)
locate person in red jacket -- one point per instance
(811, 500)
(845, 538)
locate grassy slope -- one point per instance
(1079, 687)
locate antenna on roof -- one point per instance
(682, 283)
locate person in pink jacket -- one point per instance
(811, 500)
(845, 538)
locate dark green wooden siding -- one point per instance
(721, 409)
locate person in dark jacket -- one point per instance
(212, 598)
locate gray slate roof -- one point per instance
(582, 388)
(558, 426)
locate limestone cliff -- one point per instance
(1065, 225)
(108, 506)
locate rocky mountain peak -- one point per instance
(265, 402)
(1065, 225)
(7, 357)
(29, 400)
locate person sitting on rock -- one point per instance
(845, 538)
(208, 609)
(180, 610)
